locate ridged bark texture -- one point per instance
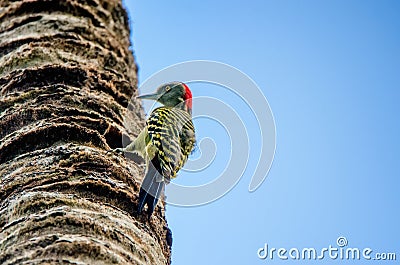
(66, 78)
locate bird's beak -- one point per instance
(154, 96)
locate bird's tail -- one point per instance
(151, 189)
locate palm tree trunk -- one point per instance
(66, 77)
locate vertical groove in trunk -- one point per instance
(66, 77)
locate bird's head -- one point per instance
(171, 95)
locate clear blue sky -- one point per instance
(331, 73)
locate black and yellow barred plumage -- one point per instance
(171, 134)
(165, 142)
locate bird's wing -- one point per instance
(165, 128)
(187, 140)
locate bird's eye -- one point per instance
(168, 88)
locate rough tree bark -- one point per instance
(66, 77)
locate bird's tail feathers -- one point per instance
(151, 190)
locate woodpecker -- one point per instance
(166, 141)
